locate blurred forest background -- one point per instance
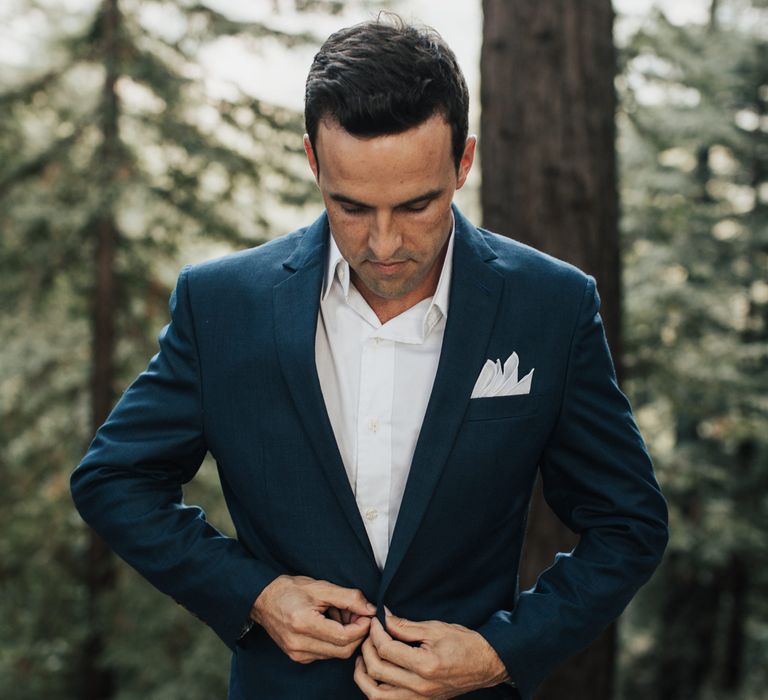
(120, 161)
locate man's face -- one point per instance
(389, 204)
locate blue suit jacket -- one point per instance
(236, 376)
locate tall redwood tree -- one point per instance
(549, 180)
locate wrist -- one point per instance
(496, 671)
(261, 604)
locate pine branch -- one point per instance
(36, 165)
(156, 74)
(26, 91)
(204, 217)
(218, 24)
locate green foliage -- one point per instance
(694, 168)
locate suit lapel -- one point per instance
(475, 293)
(296, 303)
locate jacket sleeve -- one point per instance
(129, 487)
(598, 478)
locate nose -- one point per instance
(384, 238)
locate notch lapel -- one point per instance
(475, 293)
(296, 306)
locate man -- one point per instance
(375, 455)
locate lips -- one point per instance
(388, 268)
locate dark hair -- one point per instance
(385, 77)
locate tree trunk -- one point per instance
(549, 179)
(713, 8)
(735, 631)
(97, 682)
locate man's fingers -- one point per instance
(367, 684)
(372, 689)
(342, 598)
(384, 671)
(327, 641)
(317, 626)
(380, 669)
(306, 649)
(357, 629)
(395, 651)
(406, 630)
(347, 617)
(310, 619)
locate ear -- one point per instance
(465, 164)
(311, 158)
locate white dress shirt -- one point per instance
(376, 381)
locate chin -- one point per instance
(389, 294)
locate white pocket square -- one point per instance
(495, 380)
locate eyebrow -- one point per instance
(343, 199)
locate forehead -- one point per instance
(412, 159)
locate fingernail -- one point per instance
(387, 611)
(371, 608)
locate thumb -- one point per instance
(346, 599)
(405, 630)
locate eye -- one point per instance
(351, 209)
(417, 207)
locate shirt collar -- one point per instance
(337, 269)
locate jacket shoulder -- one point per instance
(259, 268)
(514, 257)
(265, 258)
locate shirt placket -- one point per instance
(374, 441)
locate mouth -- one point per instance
(388, 268)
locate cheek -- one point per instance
(427, 235)
(351, 237)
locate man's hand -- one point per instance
(449, 661)
(311, 620)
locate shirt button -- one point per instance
(373, 425)
(371, 514)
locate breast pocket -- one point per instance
(500, 407)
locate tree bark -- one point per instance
(713, 8)
(97, 681)
(547, 152)
(735, 632)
